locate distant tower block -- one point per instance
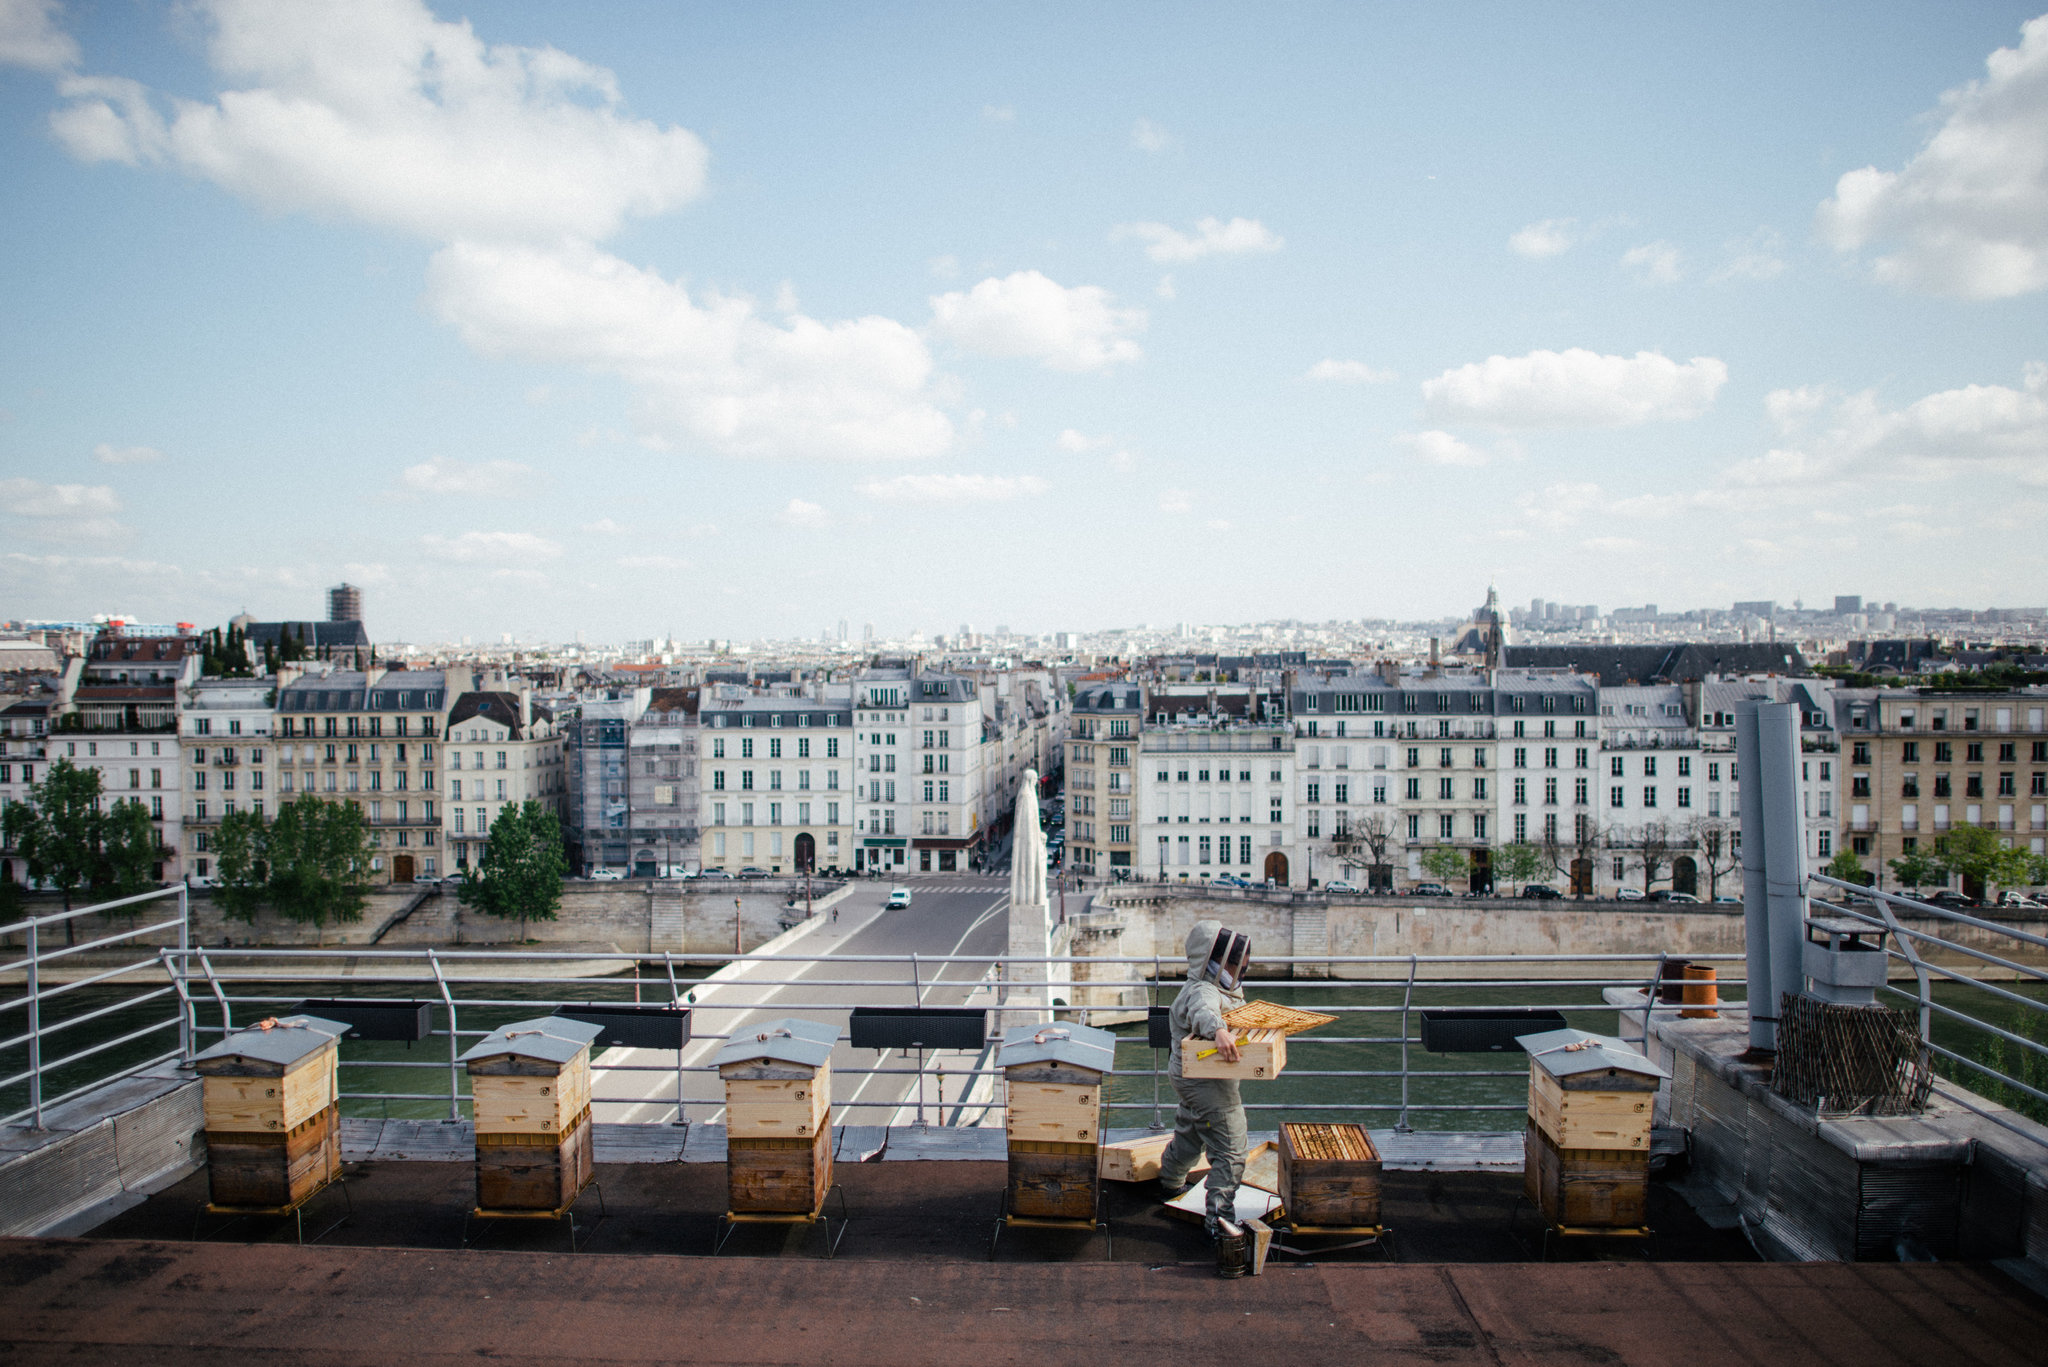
(345, 603)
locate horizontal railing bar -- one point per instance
(1981, 955)
(1988, 1071)
(66, 951)
(51, 1066)
(51, 1103)
(1948, 975)
(1978, 1022)
(59, 917)
(61, 988)
(694, 960)
(52, 1027)
(1925, 909)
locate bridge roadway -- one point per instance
(949, 914)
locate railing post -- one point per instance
(35, 1029)
(675, 998)
(1401, 1126)
(186, 1044)
(454, 1039)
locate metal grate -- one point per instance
(1845, 1059)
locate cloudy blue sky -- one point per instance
(735, 320)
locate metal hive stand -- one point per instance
(1556, 1231)
(731, 1220)
(1361, 1236)
(1006, 1220)
(295, 1209)
(563, 1212)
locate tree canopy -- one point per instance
(1446, 862)
(521, 871)
(318, 855)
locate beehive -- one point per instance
(1329, 1175)
(529, 1086)
(270, 1097)
(1586, 1148)
(778, 1116)
(1052, 1078)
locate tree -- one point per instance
(1916, 868)
(1587, 835)
(1979, 854)
(521, 872)
(319, 854)
(57, 830)
(241, 865)
(1845, 866)
(1519, 863)
(127, 846)
(1446, 863)
(1374, 834)
(1716, 838)
(1652, 850)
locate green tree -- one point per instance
(241, 865)
(1979, 854)
(1520, 863)
(520, 874)
(1916, 868)
(57, 831)
(319, 855)
(1446, 863)
(1845, 866)
(127, 845)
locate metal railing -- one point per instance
(2027, 1084)
(474, 991)
(42, 1013)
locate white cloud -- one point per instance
(1027, 315)
(1654, 263)
(944, 267)
(1165, 288)
(953, 488)
(1610, 545)
(1550, 237)
(1347, 372)
(1441, 448)
(483, 479)
(1968, 215)
(1211, 237)
(1176, 501)
(1755, 257)
(999, 113)
(1575, 388)
(378, 111)
(1078, 442)
(489, 546)
(666, 563)
(1790, 408)
(711, 370)
(108, 454)
(1988, 429)
(29, 36)
(1148, 136)
(604, 526)
(1218, 524)
(801, 513)
(32, 498)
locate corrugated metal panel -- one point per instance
(160, 1137)
(1683, 1069)
(1758, 1156)
(1920, 1203)
(44, 1187)
(1813, 1187)
(1994, 1218)
(1720, 1134)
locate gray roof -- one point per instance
(291, 1039)
(790, 1040)
(1079, 1046)
(1596, 1053)
(556, 1039)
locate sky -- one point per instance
(738, 320)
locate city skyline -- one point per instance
(736, 323)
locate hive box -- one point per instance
(1585, 1188)
(1329, 1175)
(1261, 1055)
(270, 1100)
(1137, 1160)
(778, 1116)
(1590, 1091)
(530, 1088)
(1052, 1077)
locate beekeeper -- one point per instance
(1211, 1113)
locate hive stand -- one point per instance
(271, 1103)
(530, 1096)
(1052, 1076)
(1329, 1189)
(1586, 1146)
(778, 1129)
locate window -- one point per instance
(1617, 797)
(1521, 792)
(1443, 789)
(1415, 790)
(1446, 826)
(1585, 759)
(1479, 826)
(1415, 828)
(1614, 766)
(1649, 766)
(1685, 797)
(1521, 758)
(1684, 767)
(1550, 791)
(1478, 790)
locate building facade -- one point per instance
(499, 751)
(779, 774)
(371, 739)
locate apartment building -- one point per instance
(662, 811)
(500, 750)
(922, 797)
(121, 718)
(371, 739)
(595, 733)
(24, 730)
(226, 746)
(1101, 778)
(779, 773)
(1216, 790)
(1547, 721)
(1921, 761)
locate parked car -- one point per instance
(1338, 885)
(753, 871)
(716, 873)
(2019, 901)
(1628, 894)
(1429, 890)
(899, 898)
(1541, 892)
(1949, 897)
(606, 875)
(1725, 901)
(1669, 895)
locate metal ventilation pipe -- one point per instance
(1773, 859)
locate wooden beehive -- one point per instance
(529, 1086)
(1591, 1091)
(271, 1101)
(778, 1116)
(1137, 1160)
(1585, 1188)
(1052, 1078)
(1329, 1175)
(1261, 1055)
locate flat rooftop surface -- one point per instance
(131, 1302)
